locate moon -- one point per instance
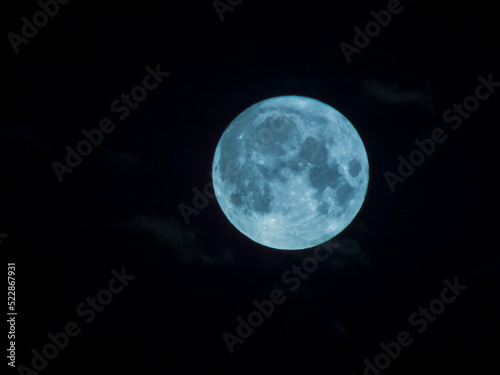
(290, 172)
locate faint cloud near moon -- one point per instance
(391, 93)
(185, 240)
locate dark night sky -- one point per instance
(119, 207)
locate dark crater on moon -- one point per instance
(344, 193)
(314, 151)
(354, 168)
(322, 176)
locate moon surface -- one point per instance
(290, 172)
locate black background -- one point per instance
(119, 208)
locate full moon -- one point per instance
(290, 172)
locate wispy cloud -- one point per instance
(25, 136)
(184, 239)
(392, 94)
